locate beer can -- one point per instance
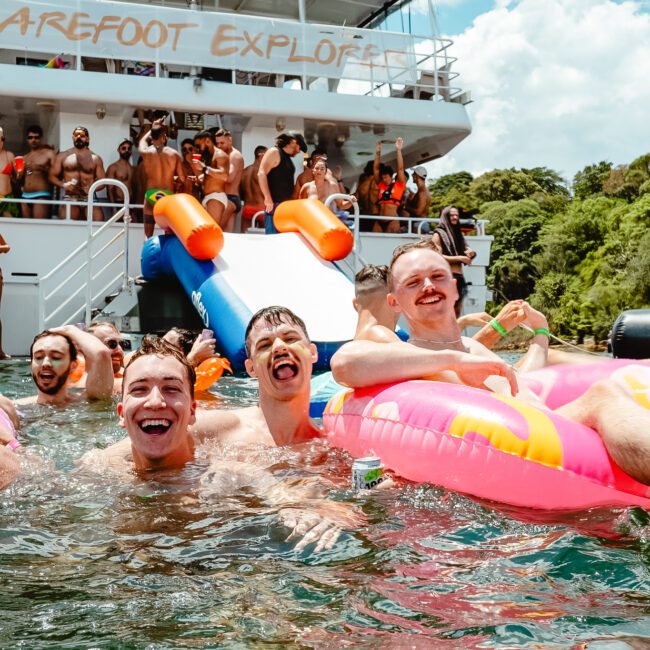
(367, 472)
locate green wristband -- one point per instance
(496, 325)
(542, 330)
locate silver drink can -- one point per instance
(367, 472)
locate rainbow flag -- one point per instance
(56, 62)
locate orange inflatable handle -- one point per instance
(209, 371)
(330, 237)
(191, 223)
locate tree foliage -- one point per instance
(589, 181)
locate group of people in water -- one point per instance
(164, 425)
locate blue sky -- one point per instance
(555, 83)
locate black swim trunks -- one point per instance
(236, 199)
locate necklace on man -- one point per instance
(458, 340)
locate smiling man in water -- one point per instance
(423, 290)
(53, 357)
(158, 412)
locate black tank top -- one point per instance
(280, 178)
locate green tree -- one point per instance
(503, 185)
(589, 181)
(548, 179)
(457, 180)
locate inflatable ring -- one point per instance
(480, 443)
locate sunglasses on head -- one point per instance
(112, 344)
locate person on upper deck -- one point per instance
(74, 171)
(161, 165)
(7, 172)
(122, 170)
(212, 172)
(323, 186)
(34, 177)
(417, 204)
(277, 172)
(449, 241)
(249, 188)
(223, 138)
(390, 188)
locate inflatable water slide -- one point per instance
(228, 277)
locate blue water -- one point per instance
(92, 562)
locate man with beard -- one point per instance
(213, 170)
(35, 175)
(223, 138)
(121, 170)
(159, 414)
(161, 164)
(74, 171)
(53, 355)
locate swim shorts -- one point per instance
(222, 197)
(41, 194)
(236, 199)
(11, 208)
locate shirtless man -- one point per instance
(161, 164)
(422, 288)
(389, 190)
(74, 171)
(35, 175)
(212, 171)
(307, 174)
(159, 414)
(249, 188)
(7, 172)
(223, 138)
(121, 170)
(323, 186)
(53, 356)
(417, 204)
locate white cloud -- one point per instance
(560, 83)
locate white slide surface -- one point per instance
(284, 270)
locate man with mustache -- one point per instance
(53, 356)
(74, 171)
(424, 291)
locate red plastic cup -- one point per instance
(20, 163)
(196, 157)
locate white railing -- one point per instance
(72, 300)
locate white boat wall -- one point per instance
(256, 67)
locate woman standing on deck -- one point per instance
(449, 241)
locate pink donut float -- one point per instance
(480, 443)
(561, 384)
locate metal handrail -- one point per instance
(90, 256)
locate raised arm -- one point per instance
(366, 363)
(99, 379)
(144, 142)
(377, 162)
(401, 176)
(270, 160)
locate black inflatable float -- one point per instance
(630, 337)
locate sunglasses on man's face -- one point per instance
(33, 137)
(188, 149)
(125, 148)
(112, 344)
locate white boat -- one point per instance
(344, 72)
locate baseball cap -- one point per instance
(298, 137)
(420, 171)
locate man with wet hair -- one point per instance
(377, 320)
(277, 173)
(53, 356)
(74, 171)
(159, 414)
(212, 171)
(195, 348)
(163, 167)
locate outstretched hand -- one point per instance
(309, 527)
(473, 371)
